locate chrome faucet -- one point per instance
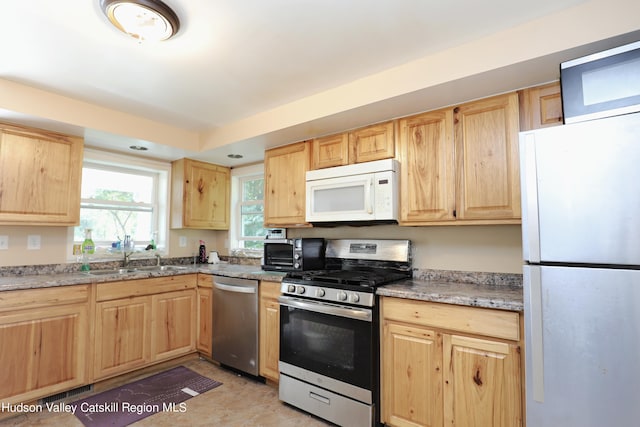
(127, 258)
(158, 263)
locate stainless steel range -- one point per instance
(329, 330)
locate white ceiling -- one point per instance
(233, 59)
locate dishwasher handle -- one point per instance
(235, 288)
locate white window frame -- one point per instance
(238, 175)
(160, 200)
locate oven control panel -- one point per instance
(362, 299)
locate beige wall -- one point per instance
(465, 248)
(587, 22)
(495, 248)
(468, 248)
(56, 244)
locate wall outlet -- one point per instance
(4, 242)
(183, 241)
(33, 242)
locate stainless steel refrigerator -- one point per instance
(581, 246)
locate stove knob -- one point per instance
(342, 296)
(301, 289)
(320, 292)
(296, 265)
(354, 298)
(291, 288)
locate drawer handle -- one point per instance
(319, 398)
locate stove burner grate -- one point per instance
(363, 278)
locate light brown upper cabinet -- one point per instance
(329, 151)
(200, 195)
(374, 142)
(285, 171)
(426, 153)
(460, 165)
(40, 177)
(540, 106)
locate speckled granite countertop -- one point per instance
(459, 293)
(489, 290)
(34, 281)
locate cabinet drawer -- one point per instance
(205, 280)
(140, 287)
(472, 320)
(269, 289)
(44, 297)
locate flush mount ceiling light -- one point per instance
(144, 20)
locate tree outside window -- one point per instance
(252, 232)
(117, 203)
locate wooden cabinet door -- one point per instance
(541, 107)
(40, 175)
(375, 142)
(269, 339)
(482, 383)
(269, 330)
(122, 329)
(427, 183)
(44, 351)
(285, 171)
(201, 194)
(205, 316)
(173, 324)
(486, 138)
(411, 376)
(329, 151)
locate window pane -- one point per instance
(109, 225)
(252, 226)
(252, 209)
(253, 244)
(116, 186)
(253, 189)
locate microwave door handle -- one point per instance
(368, 197)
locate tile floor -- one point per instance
(239, 401)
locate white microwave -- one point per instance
(359, 192)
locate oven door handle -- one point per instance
(335, 310)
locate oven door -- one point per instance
(328, 339)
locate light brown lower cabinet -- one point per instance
(43, 337)
(269, 330)
(140, 322)
(173, 324)
(450, 365)
(205, 314)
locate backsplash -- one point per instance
(28, 270)
(512, 280)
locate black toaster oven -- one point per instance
(294, 254)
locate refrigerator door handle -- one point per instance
(536, 348)
(529, 188)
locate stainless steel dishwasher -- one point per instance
(235, 323)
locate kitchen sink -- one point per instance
(162, 268)
(112, 271)
(137, 269)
